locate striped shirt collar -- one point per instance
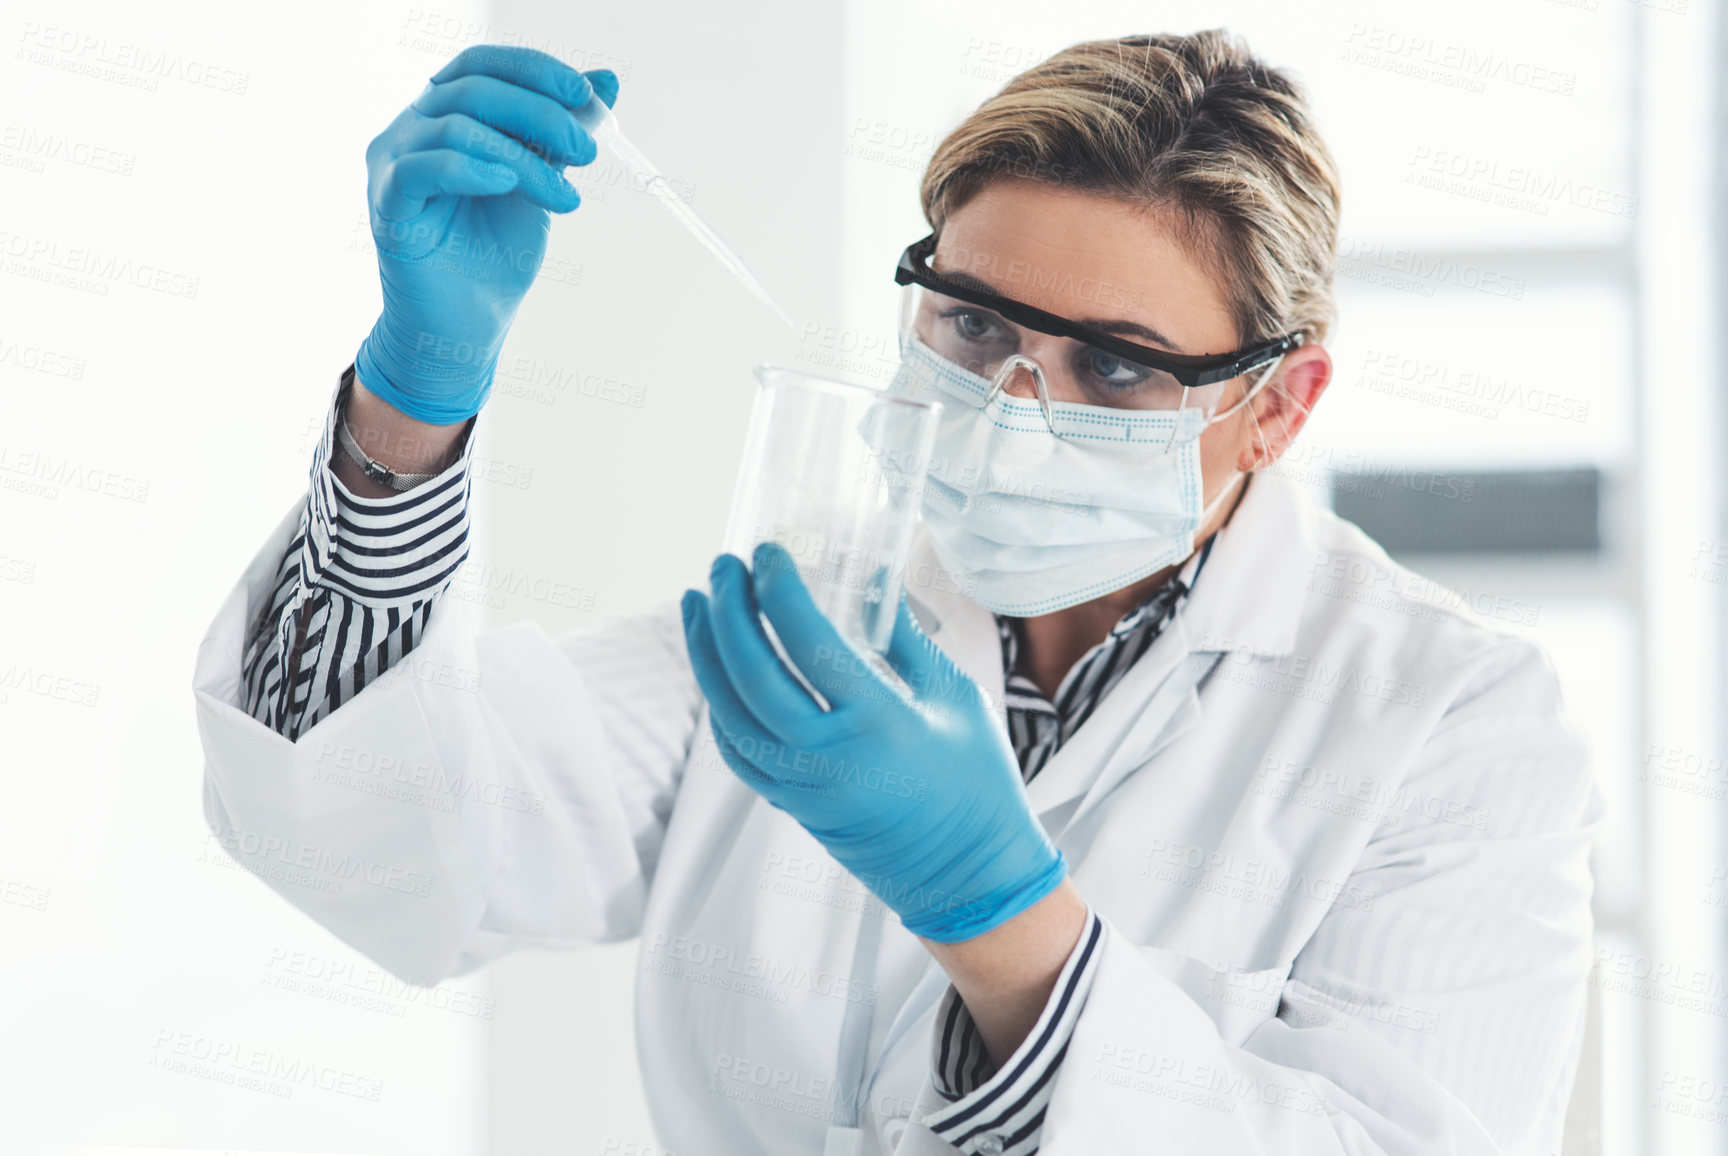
(1038, 726)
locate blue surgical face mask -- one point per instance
(1034, 522)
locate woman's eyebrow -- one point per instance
(1115, 328)
(967, 281)
(1134, 328)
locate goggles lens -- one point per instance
(982, 341)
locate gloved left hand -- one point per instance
(914, 789)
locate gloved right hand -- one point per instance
(460, 189)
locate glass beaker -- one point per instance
(834, 472)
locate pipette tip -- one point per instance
(662, 188)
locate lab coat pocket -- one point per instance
(1237, 999)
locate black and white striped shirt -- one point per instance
(355, 586)
(353, 594)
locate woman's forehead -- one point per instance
(1088, 258)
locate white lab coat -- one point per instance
(1338, 833)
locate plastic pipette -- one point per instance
(602, 125)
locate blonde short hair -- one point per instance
(1193, 125)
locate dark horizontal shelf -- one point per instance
(1439, 511)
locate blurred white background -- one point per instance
(1530, 279)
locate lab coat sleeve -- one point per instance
(487, 790)
(1439, 1011)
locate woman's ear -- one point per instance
(1277, 415)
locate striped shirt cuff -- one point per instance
(384, 553)
(1000, 1111)
(355, 588)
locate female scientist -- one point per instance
(1192, 823)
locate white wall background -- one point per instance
(801, 128)
(151, 961)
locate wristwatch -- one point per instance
(376, 471)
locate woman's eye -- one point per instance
(975, 326)
(1112, 370)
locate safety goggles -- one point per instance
(1026, 351)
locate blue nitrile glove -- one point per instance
(461, 188)
(917, 794)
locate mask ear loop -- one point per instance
(1252, 391)
(1218, 417)
(1245, 399)
(1260, 434)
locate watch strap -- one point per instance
(374, 471)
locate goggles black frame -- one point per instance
(1191, 370)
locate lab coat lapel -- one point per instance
(1252, 593)
(1249, 598)
(1148, 708)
